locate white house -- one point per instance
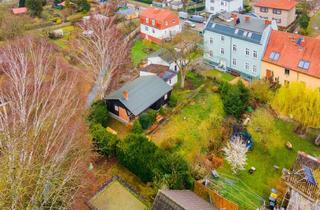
(162, 58)
(158, 24)
(217, 6)
(162, 71)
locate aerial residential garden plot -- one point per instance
(141, 49)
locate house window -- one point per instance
(274, 56)
(212, 1)
(276, 11)
(255, 55)
(165, 96)
(234, 62)
(146, 28)
(247, 51)
(153, 22)
(212, 8)
(147, 20)
(246, 66)
(153, 31)
(116, 108)
(211, 40)
(286, 82)
(222, 51)
(304, 64)
(287, 72)
(278, 20)
(222, 38)
(210, 53)
(254, 68)
(263, 9)
(234, 48)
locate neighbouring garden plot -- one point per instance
(141, 49)
(216, 74)
(192, 128)
(270, 136)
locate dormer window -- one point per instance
(274, 56)
(304, 64)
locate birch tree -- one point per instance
(39, 143)
(236, 155)
(103, 49)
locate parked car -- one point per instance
(196, 18)
(189, 23)
(183, 15)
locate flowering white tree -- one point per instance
(236, 155)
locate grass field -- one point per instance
(219, 75)
(194, 126)
(270, 136)
(314, 25)
(138, 51)
(67, 34)
(116, 196)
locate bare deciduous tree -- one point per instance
(184, 49)
(236, 155)
(39, 143)
(103, 49)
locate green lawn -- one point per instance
(139, 51)
(270, 136)
(314, 25)
(116, 196)
(219, 75)
(194, 125)
(67, 34)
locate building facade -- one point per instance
(281, 11)
(236, 43)
(158, 24)
(292, 57)
(217, 6)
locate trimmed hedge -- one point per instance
(98, 114)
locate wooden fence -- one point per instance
(214, 198)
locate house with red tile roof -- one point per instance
(292, 57)
(158, 24)
(282, 11)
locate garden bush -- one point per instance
(151, 163)
(137, 128)
(146, 119)
(105, 143)
(235, 98)
(98, 114)
(260, 91)
(172, 101)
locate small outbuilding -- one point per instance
(162, 71)
(135, 97)
(19, 10)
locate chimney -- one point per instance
(125, 95)
(303, 43)
(267, 22)
(247, 18)
(236, 20)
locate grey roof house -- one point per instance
(161, 58)
(162, 71)
(180, 200)
(136, 96)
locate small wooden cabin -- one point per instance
(129, 101)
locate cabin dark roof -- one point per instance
(161, 70)
(143, 92)
(180, 200)
(250, 30)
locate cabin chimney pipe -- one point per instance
(125, 95)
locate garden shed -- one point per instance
(135, 97)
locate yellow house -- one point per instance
(292, 57)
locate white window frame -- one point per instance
(116, 108)
(246, 66)
(234, 48)
(210, 53)
(247, 52)
(255, 54)
(222, 51)
(211, 40)
(222, 38)
(234, 62)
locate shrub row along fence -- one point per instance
(216, 199)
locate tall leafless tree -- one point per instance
(103, 49)
(39, 144)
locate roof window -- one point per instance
(274, 56)
(304, 64)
